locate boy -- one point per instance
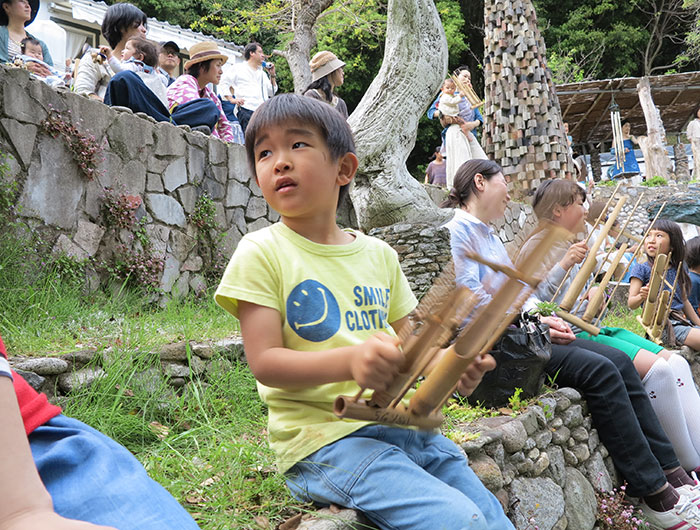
(88, 476)
(33, 52)
(692, 260)
(318, 307)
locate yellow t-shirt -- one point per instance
(328, 296)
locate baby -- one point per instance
(449, 107)
(32, 52)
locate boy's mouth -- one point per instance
(284, 184)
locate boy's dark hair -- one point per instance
(147, 49)
(692, 253)
(196, 69)
(250, 49)
(464, 186)
(305, 111)
(553, 193)
(28, 40)
(118, 19)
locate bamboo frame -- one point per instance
(468, 92)
(478, 337)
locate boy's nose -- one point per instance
(282, 164)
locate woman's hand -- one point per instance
(559, 331)
(38, 69)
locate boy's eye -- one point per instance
(297, 145)
(262, 154)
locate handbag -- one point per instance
(521, 354)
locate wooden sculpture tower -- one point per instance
(523, 128)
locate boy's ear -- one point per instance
(347, 167)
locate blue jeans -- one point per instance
(621, 411)
(400, 479)
(127, 89)
(92, 478)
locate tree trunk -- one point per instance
(298, 51)
(656, 158)
(682, 169)
(385, 122)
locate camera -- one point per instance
(267, 65)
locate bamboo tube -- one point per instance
(578, 322)
(664, 307)
(589, 263)
(588, 237)
(345, 407)
(636, 253)
(468, 92)
(595, 302)
(655, 280)
(460, 355)
(607, 255)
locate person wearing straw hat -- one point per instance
(326, 76)
(14, 16)
(193, 103)
(250, 83)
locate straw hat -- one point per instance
(324, 63)
(33, 4)
(204, 51)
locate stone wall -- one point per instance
(165, 168)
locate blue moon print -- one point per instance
(313, 312)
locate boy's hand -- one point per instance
(474, 374)
(376, 362)
(576, 254)
(106, 51)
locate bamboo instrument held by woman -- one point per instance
(657, 305)
(423, 409)
(467, 91)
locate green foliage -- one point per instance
(545, 309)
(209, 238)
(565, 69)
(9, 190)
(516, 404)
(655, 181)
(69, 269)
(607, 183)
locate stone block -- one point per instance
(182, 287)
(159, 235)
(176, 351)
(154, 183)
(180, 245)
(22, 137)
(238, 164)
(54, 187)
(171, 272)
(488, 472)
(188, 198)
(514, 436)
(66, 247)
(78, 380)
(196, 164)
(175, 174)
(217, 151)
(230, 240)
(130, 136)
(237, 194)
(258, 224)
(257, 208)
(214, 188)
(17, 103)
(541, 501)
(43, 365)
(88, 236)
(581, 506)
(133, 177)
(170, 141)
(176, 370)
(165, 209)
(34, 380)
(198, 284)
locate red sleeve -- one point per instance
(34, 407)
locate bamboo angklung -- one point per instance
(468, 92)
(423, 409)
(603, 284)
(636, 253)
(656, 306)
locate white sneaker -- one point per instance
(685, 515)
(692, 492)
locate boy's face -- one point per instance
(34, 50)
(296, 173)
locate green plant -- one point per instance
(654, 182)
(69, 268)
(84, 147)
(119, 208)
(545, 309)
(616, 513)
(137, 268)
(204, 214)
(209, 237)
(606, 183)
(516, 404)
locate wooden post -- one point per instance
(655, 156)
(595, 162)
(682, 170)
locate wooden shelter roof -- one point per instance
(585, 106)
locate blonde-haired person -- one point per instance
(326, 76)
(193, 103)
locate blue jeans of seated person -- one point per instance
(229, 109)
(127, 89)
(400, 479)
(201, 111)
(620, 409)
(92, 478)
